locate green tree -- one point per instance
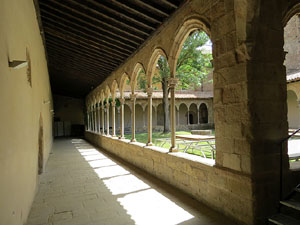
(193, 66)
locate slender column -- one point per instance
(188, 117)
(198, 116)
(149, 93)
(119, 118)
(99, 120)
(107, 118)
(178, 116)
(133, 98)
(172, 84)
(113, 119)
(92, 121)
(95, 119)
(122, 101)
(103, 126)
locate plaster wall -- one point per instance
(23, 106)
(69, 109)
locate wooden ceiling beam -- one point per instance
(119, 22)
(55, 46)
(95, 55)
(72, 14)
(81, 46)
(170, 4)
(132, 19)
(134, 11)
(149, 7)
(80, 62)
(108, 36)
(105, 37)
(70, 36)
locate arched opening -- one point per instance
(193, 118)
(203, 113)
(183, 114)
(139, 118)
(40, 146)
(293, 110)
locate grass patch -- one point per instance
(143, 138)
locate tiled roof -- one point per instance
(178, 94)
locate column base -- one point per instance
(133, 140)
(121, 137)
(173, 149)
(149, 144)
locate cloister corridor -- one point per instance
(84, 185)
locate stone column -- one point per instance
(122, 101)
(172, 84)
(188, 117)
(103, 125)
(133, 98)
(95, 119)
(178, 116)
(198, 109)
(113, 119)
(107, 118)
(149, 93)
(99, 120)
(87, 120)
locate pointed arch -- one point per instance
(122, 85)
(152, 63)
(191, 24)
(137, 68)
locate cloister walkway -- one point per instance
(82, 185)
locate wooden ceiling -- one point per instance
(88, 39)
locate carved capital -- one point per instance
(132, 97)
(172, 82)
(113, 104)
(122, 101)
(107, 105)
(149, 92)
(102, 107)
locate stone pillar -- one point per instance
(149, 93)
(103, 125)
(113, 119)
(122, 101)
(198, 109)
(172, 84)
(107, 118)
(188, 117)
(119, 118)
(133, 98)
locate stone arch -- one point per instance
(41, 146)
(191, 24)
(137, 68)
(291, 10)
(203, 113)
(152, 63)
(122, 85)
(114, 88)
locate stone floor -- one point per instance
(82, 185)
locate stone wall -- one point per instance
(25, 111)
(291, 45)
(225, 191)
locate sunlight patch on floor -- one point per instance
(125, 184)
(144, 204)
(151, 207)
